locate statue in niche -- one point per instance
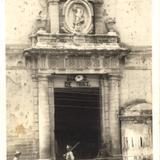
(78, 17)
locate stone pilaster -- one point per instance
(36, 123)
(52, 116)
(44, 119)
(99, 24)
(53, 6)
(113, 80)
(105, 148)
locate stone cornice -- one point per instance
(53, 1)
(68, 43)
(97, 1)
(71, 51)
(114, 76)
(137, 119)
(140, 48)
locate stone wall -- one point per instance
(136, 140)
(21, 120)
(136, 131)
(133, 23)
(23, 133)
(133, 19)
(137, 76)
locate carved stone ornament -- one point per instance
(41, 23)
(78, 17)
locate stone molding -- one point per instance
(44, 159)
(137, 113)
(136, 119)
(97, 1)
(53, 1)
(66, 41)
(42, 77)
(114, 76)
(79, 63)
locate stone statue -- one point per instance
(109, 23)
(41, 22)
(78, 17)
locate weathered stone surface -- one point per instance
(58, 55)
(54, 16)
(137, 130)
(20, 114)
(67, 41)
(133, 32)
(133, 88)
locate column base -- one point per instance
(44, 159)
(117, 157)
(109, 158)
(104, 152)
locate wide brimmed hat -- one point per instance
(17, 153)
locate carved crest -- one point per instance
(78, 16)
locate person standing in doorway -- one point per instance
(69, 155)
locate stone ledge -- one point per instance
(57, 40)
(108, 50)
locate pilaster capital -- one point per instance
(103, 76)
(97, 1)
(114, 76)
(34, 77)
(53, 1)
(104, 80)
(42, 77)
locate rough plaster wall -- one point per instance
(133, 132)
(20, 112)
(133, 19)
(137, 78)
(20, 20)
(135, 85)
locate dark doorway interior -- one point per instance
(77, 119)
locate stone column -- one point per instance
(113, 80)
(105, 139)
(53, 6)
(44, 119)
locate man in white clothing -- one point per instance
(17, 155)
(69, 155)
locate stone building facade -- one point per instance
(79, 71)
